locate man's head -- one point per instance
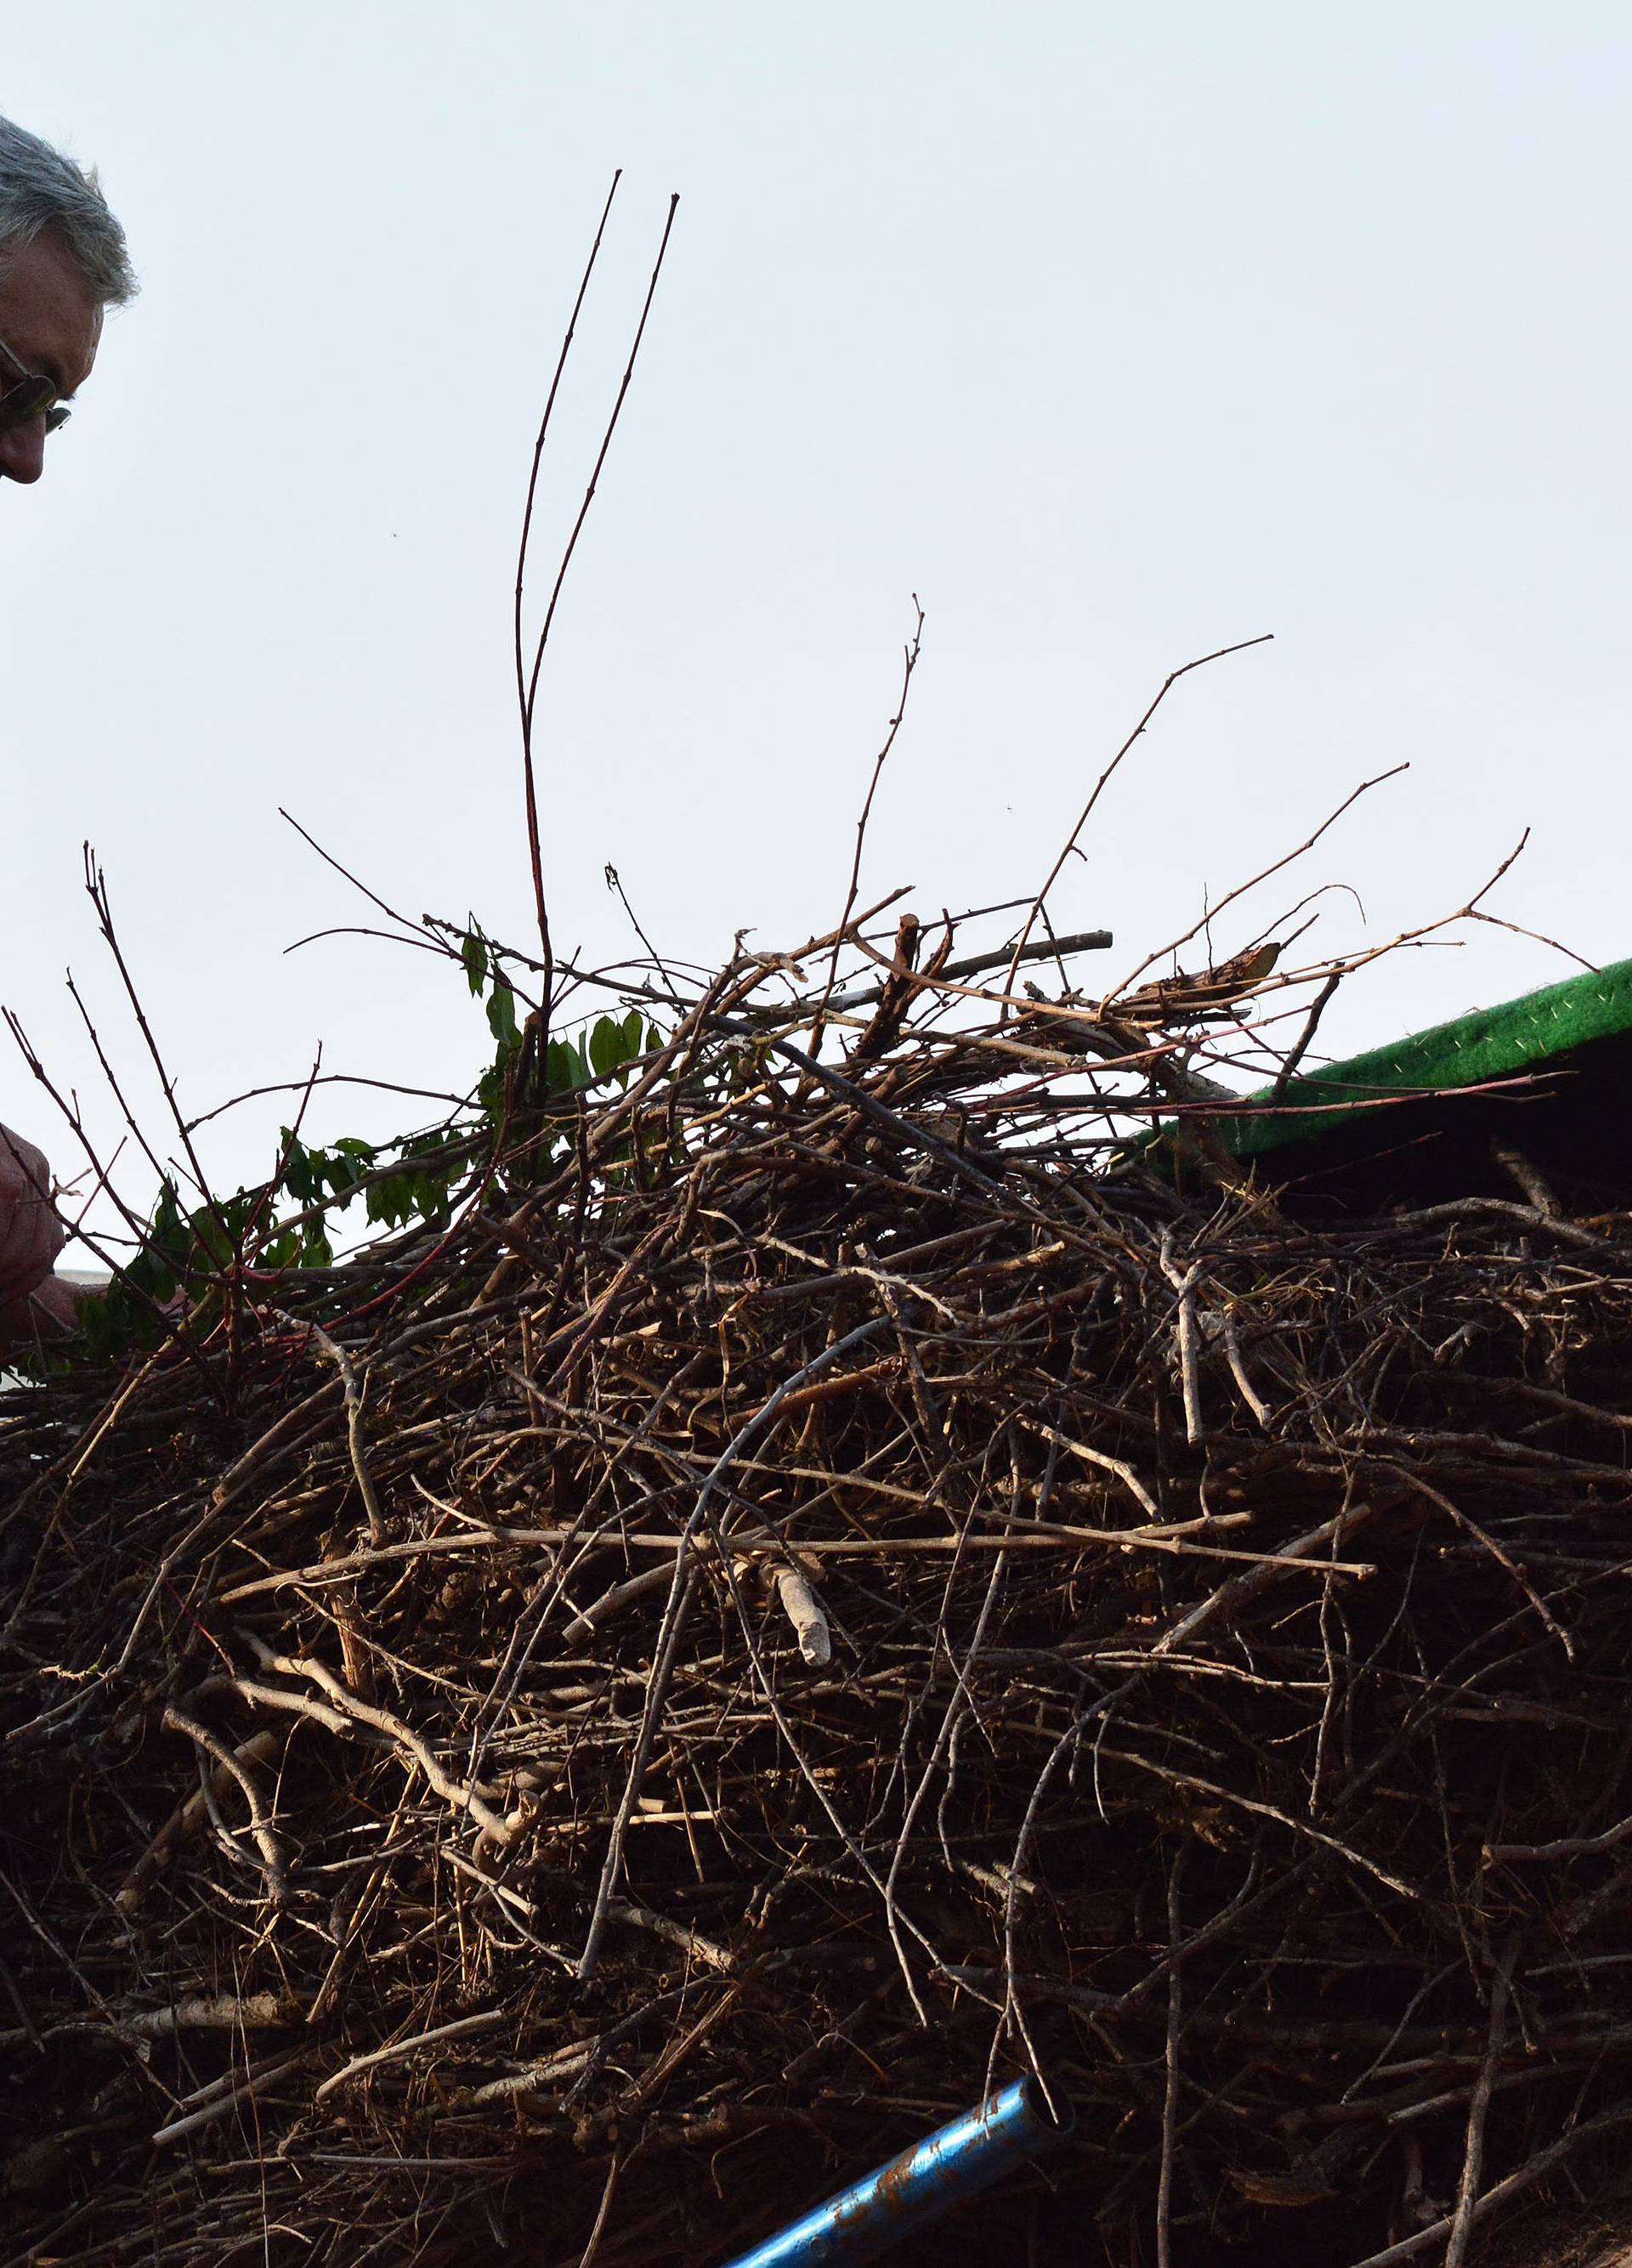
(63, 262)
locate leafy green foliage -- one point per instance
(411, 1183)
(181, 1252)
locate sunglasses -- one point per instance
(29, 398)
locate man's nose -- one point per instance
(22, 450)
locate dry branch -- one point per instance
(831, 1605)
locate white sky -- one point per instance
(1117, 334)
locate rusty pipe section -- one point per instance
(918, 2186)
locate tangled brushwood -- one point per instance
(819, 1584)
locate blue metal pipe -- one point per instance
(920, 2185)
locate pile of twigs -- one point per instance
(566, 1738)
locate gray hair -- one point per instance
(41, 189)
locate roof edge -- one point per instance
(1503, 1041)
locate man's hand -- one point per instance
(31, 1236)
(34, 1304)
(46, 1313)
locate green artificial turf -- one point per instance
(1518, 1037)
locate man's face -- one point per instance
(53, 325)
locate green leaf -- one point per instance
(606, 1046)
(95, 1320)
(473, 953)
(300, 1176)
(211, 1241)
(567, 1070)
(344, 1171)
(431, 1194)
(382, 1203)
(501, 1017)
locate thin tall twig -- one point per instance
(523, 699)
(1241, 646)
(911, 654)
(529, 692)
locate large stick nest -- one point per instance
(797, 1615)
